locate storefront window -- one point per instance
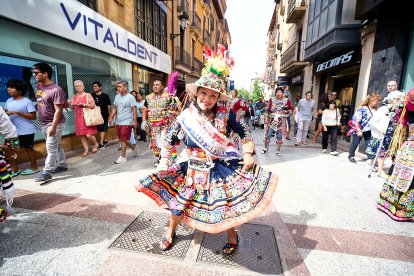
(348, 12)
(146, 78)
(322, 15)
(331, 15)
(23, 46)
(151, 23)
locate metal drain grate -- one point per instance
(145, 232)
(257, 250)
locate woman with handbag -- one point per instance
(216, 187)
(359, 124)
(81, 101)
(331, 120)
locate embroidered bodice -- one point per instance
(225, 121)
(277, 106)
(158, 108)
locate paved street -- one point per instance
(323, 215)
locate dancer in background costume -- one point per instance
(155, 118)
(236, 104)
(276, 112)
(217, 187)
(8, 130)
(397, 195)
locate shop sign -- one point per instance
(343, 59)
(74, 21)
(297, 79)
(283, 80)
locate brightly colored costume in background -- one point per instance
(397, 195)
(210, 187)
(236, 106)
(158, 118)
(8, 130)
(276, 113)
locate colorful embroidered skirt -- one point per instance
(397, 195)
(212, 200)
(399, 206)
(6, 183)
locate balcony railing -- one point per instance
(296, 10)
(197, 66)
(195, 22)
(292, 59)
(182, 57)
(206, 37)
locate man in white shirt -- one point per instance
(305, 111)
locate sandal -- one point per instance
(16, 173)
(230, 248)
(85, 154)
(95, 149)
(29, 171)
(167, 244)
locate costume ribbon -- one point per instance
(206, 136)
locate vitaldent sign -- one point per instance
(71, 20)
(345, 58)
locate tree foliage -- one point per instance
(257, 91)
(244, 93)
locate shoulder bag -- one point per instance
(92, 116)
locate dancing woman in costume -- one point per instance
(216, 188)
(397, 195)
(8, 130)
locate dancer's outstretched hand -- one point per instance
(248, 161)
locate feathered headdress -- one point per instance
(172, 83)
(215, 72)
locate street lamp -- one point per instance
(183, 24)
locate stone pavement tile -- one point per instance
(376, 245)
(87, 253)
(329, 263)
(29, 242)
(322, 190)
(77, 207)
(139, 264)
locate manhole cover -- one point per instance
(145, 233)
(257, 250)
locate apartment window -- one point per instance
(90, 4)
(322, 17)
(151, 22)
(211, 25)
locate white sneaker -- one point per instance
(120, 160)
(135, 150)
(278, 153)
(334, 153)
(324, 151)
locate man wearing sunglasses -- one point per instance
(50, 101)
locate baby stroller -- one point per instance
(256, 119)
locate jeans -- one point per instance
(268, 136)
(355, 143)
(303, 127)
(333, 132)
(55, 154)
